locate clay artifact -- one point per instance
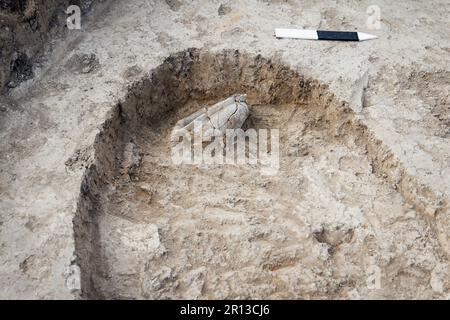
(230, 113)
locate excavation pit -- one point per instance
(325, 225)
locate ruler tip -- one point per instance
(365, 36)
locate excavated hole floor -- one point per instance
(325, 226)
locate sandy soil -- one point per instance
(314, 230)
(320, 227)
(363, 185)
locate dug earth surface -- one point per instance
(92, 207)
(326, 224)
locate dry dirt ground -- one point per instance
(27, 28)
(358, 209)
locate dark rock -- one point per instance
(223, 10)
